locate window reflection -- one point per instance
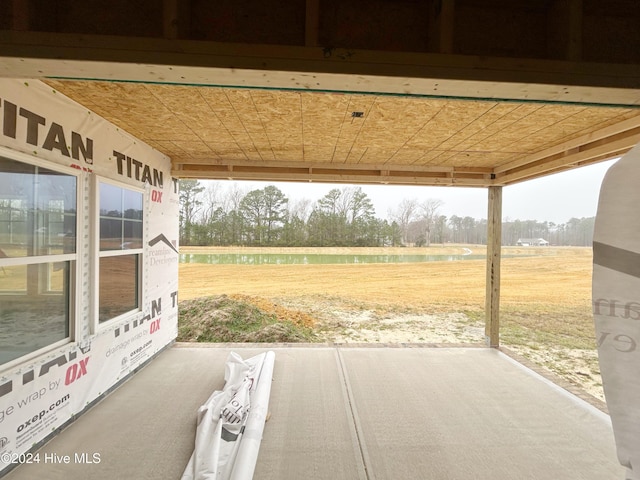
(110, 201)
(120, 218)
(132, 205)
(120, 229)
(37, 219)
(37, 210)
(35, 307)
(118, 286)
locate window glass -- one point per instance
(37, 210)
(132, 205)
(120, 218)
(110, 201)
(118, 285)
(132, 235)
(110, 234)
(35, 307)
(5, 210)
(120, 229)
(37, 226)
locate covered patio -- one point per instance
(343, 412)
(409, 93)
(403, 93)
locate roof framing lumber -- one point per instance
(578, 156)
(328, 173)
(72, 56)
(607, 143)
(251, 133)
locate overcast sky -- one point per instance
(555, 198)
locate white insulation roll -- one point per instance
(230, 424)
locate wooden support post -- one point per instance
(441, 21)
(312, 23)
(170, 17)
(176, 19)
(574, 47)
(564, 30)
(494, 244)
(20, 15)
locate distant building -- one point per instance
(532, 242)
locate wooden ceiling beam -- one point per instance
(585, 154)
(203, 164)
(533, 173)
(334, 174)
(626, 128)
(180, 62)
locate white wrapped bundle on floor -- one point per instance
(231, 422)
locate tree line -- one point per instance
(344, 217)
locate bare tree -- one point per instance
(300, 209)
(429, 212)
(344, 201)
(403, 215)
(231, 205)
(234, 196)
(210, 201)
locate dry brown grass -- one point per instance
(545, 298)
(553, 277)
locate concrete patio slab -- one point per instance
(339, 412)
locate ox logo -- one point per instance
(75, 371)
(155, 326)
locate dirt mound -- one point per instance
(240, 318)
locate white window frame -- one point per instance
(72, 258)
(135, 313)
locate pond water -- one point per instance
(314, 259)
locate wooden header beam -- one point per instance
(174, 61)
(331, 173)
(585, 154)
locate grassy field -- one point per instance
(545, 297)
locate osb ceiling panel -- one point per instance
(298, 135)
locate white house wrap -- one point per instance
(231, 422)
(88, 260)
